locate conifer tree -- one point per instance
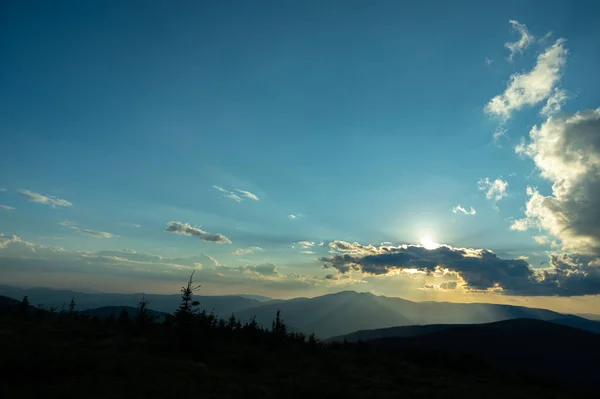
(187, 310)
(72, 306)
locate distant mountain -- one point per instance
(347, 312)
(589, 316)
(331, 314)
(327, 316)
(259, 298)
(528, 345)
(221, 305)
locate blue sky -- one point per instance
(367, 121)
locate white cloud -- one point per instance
(541, 239)
(7, 208)
(5, 240)
(242, 251)
(488, 61)
(566, 151)
(524, 41)
(257, 249)
(87, 232)
(187, 230)
(305, 244)
(533, 87)
(232, 195)
(498, 134)
(307, 252)
(44, 199)
(554, 103)
(494, 190)
(291, 216)
(248, 194)
(460, 209)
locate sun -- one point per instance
(428, 243)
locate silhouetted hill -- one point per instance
(415, 331)
(527, 345)
(70, 355)
(391, 332)
(7, 303)
(107, 311)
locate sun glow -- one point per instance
(428, 243)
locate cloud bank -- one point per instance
(566, 151)
(477, 269)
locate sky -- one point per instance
(430, 151)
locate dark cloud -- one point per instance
(187, 230)
(479, 269)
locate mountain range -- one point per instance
(327, 316)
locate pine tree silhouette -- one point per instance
(187, 310)
(143, 317)
(72, 306)
(23, 307)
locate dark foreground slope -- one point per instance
(76, 357)
(534, 346)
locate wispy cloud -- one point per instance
(494, 190)
(307, 252)
(242, 251)
(524, 41)
(134, 225)
(533, 87)
(305, 244)
(232, 194)
(248, 194)
(7, 208)
(44, 199)
(488, 61)
(87, 232)
(2, 189)
(292, 216)
(460, 209)
(187, 230)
